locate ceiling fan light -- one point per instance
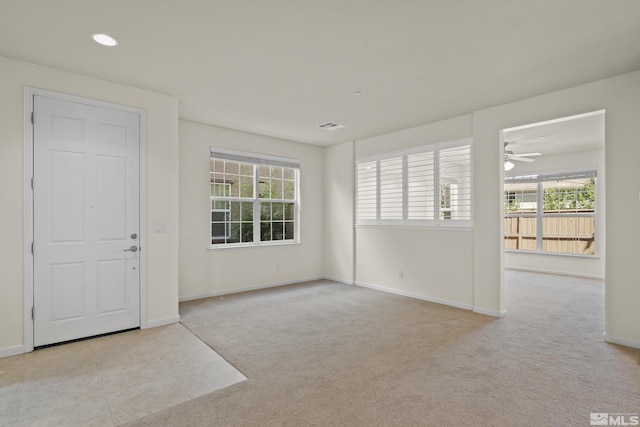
(104, 39)
(508, 165)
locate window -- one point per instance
(426, 186)
(552, 213)
(254, 199)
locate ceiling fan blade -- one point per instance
(521, 159)
(528, 154)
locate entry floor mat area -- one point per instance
(110, 380)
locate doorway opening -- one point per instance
(554, 196)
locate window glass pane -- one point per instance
(219, 225)
(246, 214)
(277, 185)
(445, 200)
(277, 221)
(270, 188)
(246, 186)
(234, 236)
(520, 233)
(231, 167)
(247, 232)
(217, 166)
(227, 181)
(569, 195)
(289, 190)
(277, 230)
(273, 186)
(569, 234)
(520, 197)
(289, 230)
(264, 172)
(265, 211)
(289, 173)
(265, 231)
(421, 182)
(566, 211)
(289, 211)
(219, 188)
(277, 211)
(232, 221)
(391, 188)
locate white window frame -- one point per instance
(432, 206)
(257, 160)
(539, 214)
(224, 211)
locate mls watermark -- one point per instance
(611, 419)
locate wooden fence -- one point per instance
(562, 234)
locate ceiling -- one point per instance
(559, 136)
(283, 67)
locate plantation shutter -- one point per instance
(454, 171)
(367, 191)
(391, 188)
(421, 186)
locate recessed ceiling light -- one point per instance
(104, 39)
(357, 93)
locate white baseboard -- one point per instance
(492, 313)
(336, 279)
(557, 273)
(248, 289)
(414, 295)
(160, 322)
(12, 351)
(622, 341)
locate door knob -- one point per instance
(133, 248)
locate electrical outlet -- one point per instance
(401, 274)
(278, 269)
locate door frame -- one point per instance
(28, 212)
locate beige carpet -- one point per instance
(328, 354)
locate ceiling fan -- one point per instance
(524, 157)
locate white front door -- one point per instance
(86, 220)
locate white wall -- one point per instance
(162, 197)
(479, 272)
(562, 264)
(436, 264)
(206, 272)
(382, 252)
(339, 199)
(620, 97)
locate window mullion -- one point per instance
(436, 185)
(256, 206)
(378, 195)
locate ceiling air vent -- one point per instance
(331, 126)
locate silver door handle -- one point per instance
(133, 248)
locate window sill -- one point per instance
(420, 227)
(514, 251)
(251, 245)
